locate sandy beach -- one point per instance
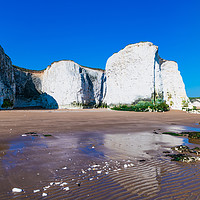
(95, 154)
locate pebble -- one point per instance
(44, 194)
(125, 165)
(17, 190)
(62, 184)
(93, 166)
(66, 188)
(57, 183)
(64, 168)
(46, 187)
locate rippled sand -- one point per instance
(95, 155)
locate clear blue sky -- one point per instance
(36, 33)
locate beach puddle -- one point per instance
(14, 153)
(95, 166)
(178, 128)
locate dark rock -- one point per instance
(166, 152)
(142, 160)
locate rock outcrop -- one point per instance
(7, 83)
(72, 85)
(137, 72)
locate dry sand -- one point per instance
(95, 154)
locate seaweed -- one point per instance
(47, 135)
(31, 133)
(194, 135)
(172, 133)
(166, 152)
(183, 157)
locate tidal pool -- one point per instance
(82, 165)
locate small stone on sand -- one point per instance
(64, 168)
(44, 194)
(62, 184)
(66, 188)
(17, 190)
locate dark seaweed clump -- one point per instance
(31, 133)
(191, 135)
(172, 133)
(185, 154)
(182, 157)
(47, 135)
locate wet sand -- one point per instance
(95, 154)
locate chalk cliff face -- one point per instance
(72, 85)
(172, 84)
(64, 84)
(7, 83)
(137, 71)
(28, 88)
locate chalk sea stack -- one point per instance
(138, 72)
(135, 73)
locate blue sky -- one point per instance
(36, 33)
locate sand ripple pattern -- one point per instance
(126, 179)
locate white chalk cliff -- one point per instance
(137, 72)
(71, 84)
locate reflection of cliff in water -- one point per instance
(136, 145)
(90, 144)
(123, 169)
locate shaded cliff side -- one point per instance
(7, 82)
